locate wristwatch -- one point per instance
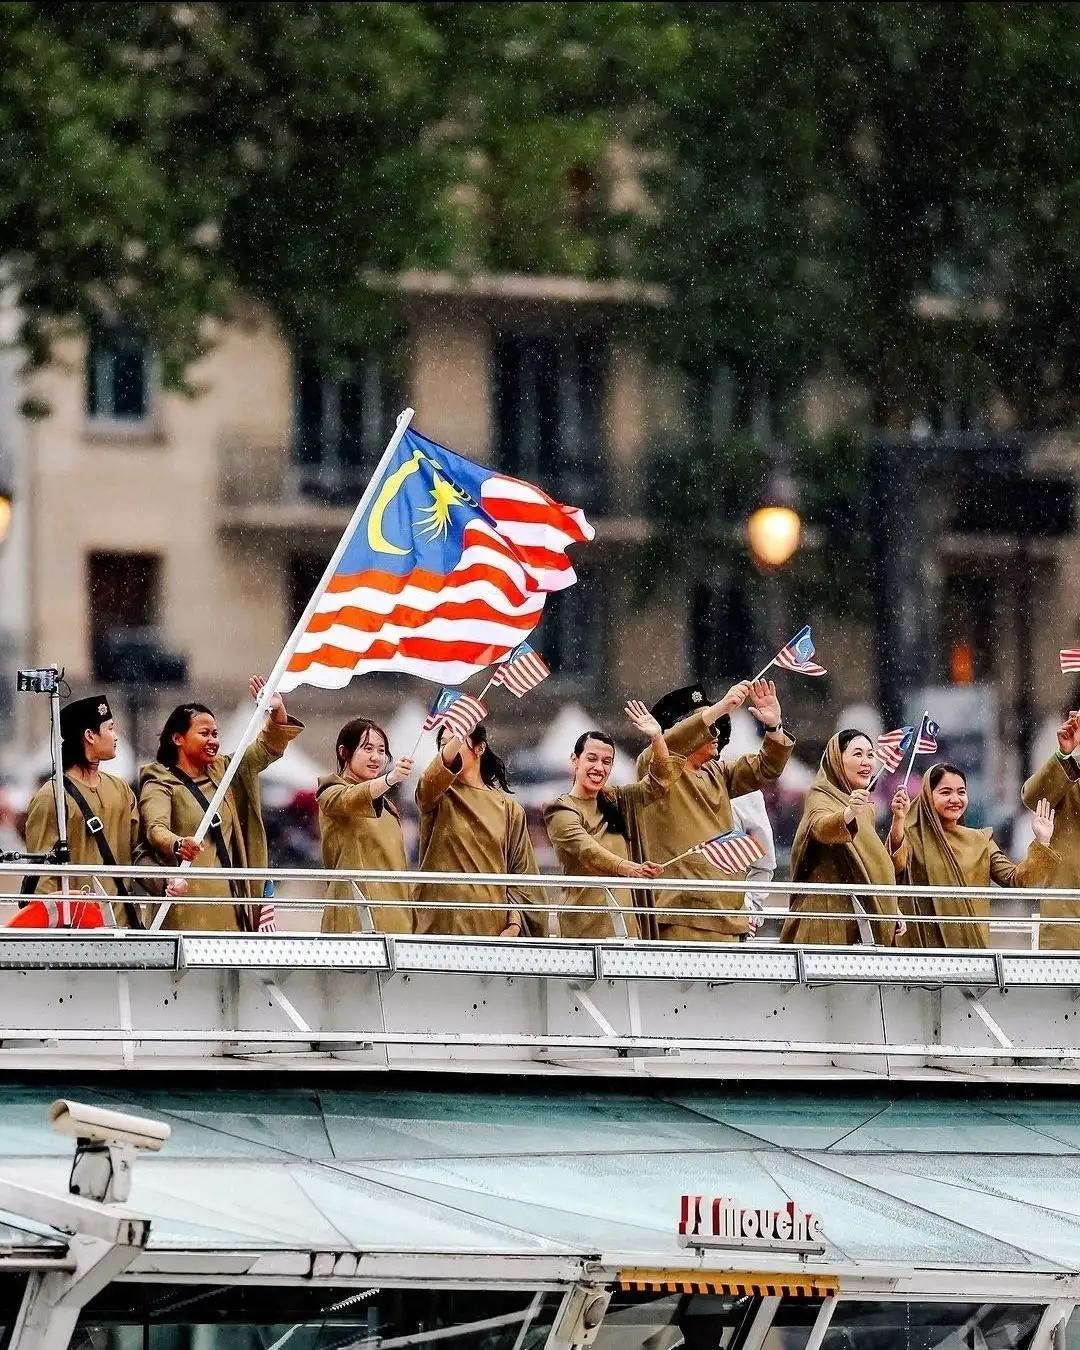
(779, 727)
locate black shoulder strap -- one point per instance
(216, 832)
(96, 829)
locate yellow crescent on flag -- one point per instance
(377, 541)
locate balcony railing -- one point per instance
(701, 1010)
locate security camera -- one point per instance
(97, 1124)
(106, 1143)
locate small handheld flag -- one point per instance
(522, 670)
(892, 746)
(443, 700)
(1070, 660)
(730, 852)
(267, 922)
(925, 743)
(459, 713)
(797, 656)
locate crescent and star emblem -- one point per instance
(435, 518)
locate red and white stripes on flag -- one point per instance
(731, 852)
(892, 746)
(463, 715)
(1070, 660)
(267, 919)
(522, 670)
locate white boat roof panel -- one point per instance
(935, 1180)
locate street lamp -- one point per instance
(775, 527)
(5, 509)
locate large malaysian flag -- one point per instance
(444, 573)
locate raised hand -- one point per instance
(899, 805)
(400, 770)
(735, 697)
(276, 706)
(642, 719)
(1068, 734)
(860, 797)
(1042, 821)
(764, 704)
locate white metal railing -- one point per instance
(1027, 924)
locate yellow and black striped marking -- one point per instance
(731, 1282)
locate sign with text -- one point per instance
(722, 1222)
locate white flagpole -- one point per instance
(762, 673)
(281, 665)
(914, 748)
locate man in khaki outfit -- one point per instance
(1058, 781)
(698, 804)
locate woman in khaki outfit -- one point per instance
(470, 822)
(837, 840)
(597, 830)
(933, 848)
(361, 829)
(172, 795)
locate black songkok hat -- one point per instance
(82, 714)
(679, 703)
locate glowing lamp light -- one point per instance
(774, 533)
(5, 515)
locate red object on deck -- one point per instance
(49, 914)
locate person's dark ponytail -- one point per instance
(610, 811)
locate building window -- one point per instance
(343, 424)
(124, 595)
(305, 573)
(117, 373)
(569, 636)
(549, 397)
(721, 632)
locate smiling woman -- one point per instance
(173, 795)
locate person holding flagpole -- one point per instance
(837, 841)
(470, 822)
(932, 846)
(360, 830)
(699, 803)
(600, 830)
(1058, 783)
(175, 792)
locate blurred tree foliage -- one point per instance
(889, 187)
(885, 190)
(157, 158)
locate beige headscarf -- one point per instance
(862, 857)
(958, 856)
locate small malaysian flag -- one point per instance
(443, 700)
(798, 655)
(522, 670)
(461, 714)
(1070, 660)
(928, 734)
(731, 852)
(267, 922)
(892, 746)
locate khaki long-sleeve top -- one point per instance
(114, 803)
(983, 863)
(359, 831)
(471, 829)
(1058, 781)
(585, 844)
(169, 812)
(697, 807)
